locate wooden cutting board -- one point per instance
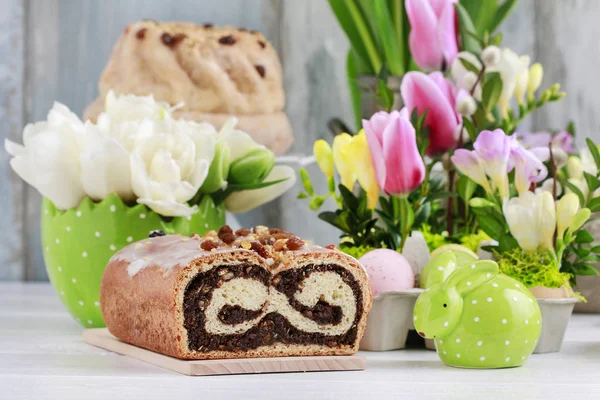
(102, 338)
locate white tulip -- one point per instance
(133, 108)
(245, 200)
(48, 159)
(167, 169)
(104, 166)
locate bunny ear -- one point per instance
(438, 269)
(469, 277)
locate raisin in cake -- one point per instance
(250, 293)
(217, 72)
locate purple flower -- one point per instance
(494, 148)
(562, 140)
(528, 168)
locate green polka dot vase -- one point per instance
(477, 317)
(78, 243)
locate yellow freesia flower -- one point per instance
(324, 157)
(343, 160)
(363, 167)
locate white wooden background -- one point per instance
(56, 49)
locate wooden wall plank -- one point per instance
(567, 46)
(65, 45)
(68, 43)
(11, 121)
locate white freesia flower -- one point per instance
(464, 78)
(531, 218)
(513, 70)
(48, 160)
(245, 200)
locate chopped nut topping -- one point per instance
(295, 243)
(208, 26)
(246, 244)
(330, 247)
(262, 44)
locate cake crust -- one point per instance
(145, 306)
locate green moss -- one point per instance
(537, 269)
(355, 251)
(473, 240)
(433, 240)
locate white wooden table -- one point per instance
(43, 356)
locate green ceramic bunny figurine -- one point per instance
(477, 317)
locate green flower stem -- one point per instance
(398, 19)
(363, 31)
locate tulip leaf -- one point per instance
(391, 47)
(594, 150)
(506, 243)
(385, 95)
(491, 90)
(594, 205)
(482, 13)
(236, 187)
(339, 220)
(354, 26)
(353, 72)
(503, 11)
(466, 27)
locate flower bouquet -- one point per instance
(452, 170)
(134, 171)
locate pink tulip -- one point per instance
(433, 38)
(398, 165)
(438, 96)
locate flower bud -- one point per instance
(218, 171)
(546, 220)
(536, 73)
(580, 219)
(575, 168)
(566, 208)
(253, 167)
(548, 186)
(466, 106)
(324, 157)
(469, 80)
(491, 56)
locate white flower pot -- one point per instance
(390, 320)
(555, 319)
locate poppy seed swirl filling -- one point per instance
(244, 307)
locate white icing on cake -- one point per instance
(165, 252)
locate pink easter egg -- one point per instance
(388, 270)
